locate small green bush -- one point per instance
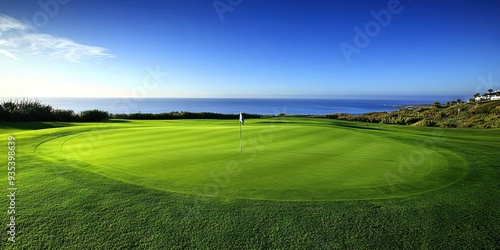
(94, 115)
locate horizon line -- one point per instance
(366, 97)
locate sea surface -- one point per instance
(232, 106)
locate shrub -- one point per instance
(25, 110)
(449, 124)
(426, 123)
(63, 115)
(3, 113)
(332, 116)
(94, 115)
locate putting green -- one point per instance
(303, 160)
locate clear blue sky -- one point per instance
(252, 48)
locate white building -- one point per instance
(494, 96)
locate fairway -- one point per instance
(293, 159)
(301, 183)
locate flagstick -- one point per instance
(241, 145)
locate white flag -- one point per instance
(242, 121)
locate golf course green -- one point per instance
(298, 182)
(296, 161)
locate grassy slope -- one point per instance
(61, 207)
(464, 115)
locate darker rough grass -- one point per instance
(87, 211)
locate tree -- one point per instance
(9, 106)
(459, 101)
(94, 115)
(476, 95)
(3, 113)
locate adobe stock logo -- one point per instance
(372, 29)
(221, 7)
(50, 8)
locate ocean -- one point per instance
(232, 105)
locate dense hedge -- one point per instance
(182, 115)
(33, 110)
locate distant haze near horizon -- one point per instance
(299, 97)
(383, 49)
(234, 105)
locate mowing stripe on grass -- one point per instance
(300, 161)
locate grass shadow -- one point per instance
(33, 125)
(356, 126)
(47, 125)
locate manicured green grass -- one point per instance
(295, 161)
(299, 183)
